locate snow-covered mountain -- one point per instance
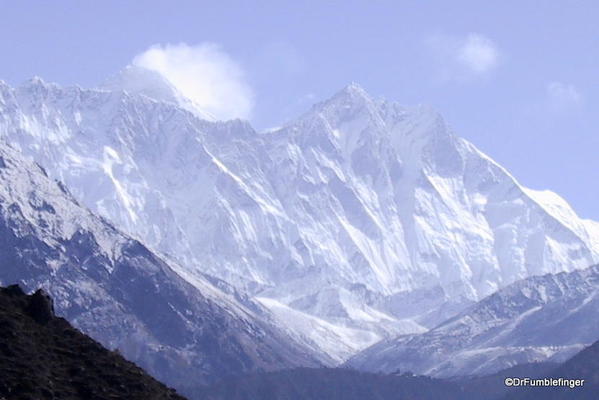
(113, 288)
(541, 318)
(361, 220)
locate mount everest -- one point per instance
(360, 221)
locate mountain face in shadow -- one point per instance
(43, 357)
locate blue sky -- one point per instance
(520, 79)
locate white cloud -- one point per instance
(477, 53)
(459, 58)
(563, 96)
(203, 73)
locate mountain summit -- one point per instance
(138, 80)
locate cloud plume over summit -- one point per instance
(203, 73)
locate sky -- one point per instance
(519, 79)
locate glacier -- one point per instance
(364, 218)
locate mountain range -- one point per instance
(203, 248)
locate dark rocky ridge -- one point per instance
(43, 357)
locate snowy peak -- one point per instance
(346, 106)
(350, 94)
(352, 119)
(36, 82)
(36, 90)
(354, 102)
(138, 80)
